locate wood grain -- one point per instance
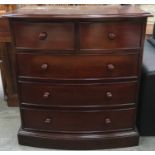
(77, 66)
(78, 95)
(59, 35)
(78, 121)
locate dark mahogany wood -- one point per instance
(78, 72)
(7, 64)
(110, 35)
(77, 66)
(4, 30)
(78, 95)
(99, 12)
(85, 141)
(78, 121)
(54, 36)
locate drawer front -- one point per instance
(78, 95)
(78, 66)
(57, 36)
(110, 35)
(78, 121)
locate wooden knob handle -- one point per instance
(111, 36)
(42, 36)
(109, 95)
(44, 66)
(107, 121)
(110, 67)
(48, 120)
(46, 95)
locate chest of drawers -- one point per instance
(78, 72)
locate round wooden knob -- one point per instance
(46, 95)
(109, 95)
(42, 36)
(111, 36)
(44, 66)
(107, 121)
(48, 120)
(110, 67)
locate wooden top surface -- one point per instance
(75, 12)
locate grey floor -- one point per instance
(10, 122)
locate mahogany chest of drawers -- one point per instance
(78, 72)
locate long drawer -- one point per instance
(78, 95)
(77, 66)
(78, 121)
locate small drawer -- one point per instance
(77, 67)
(78, 95)
(57, 36)
(78, 121)
(110, 35)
